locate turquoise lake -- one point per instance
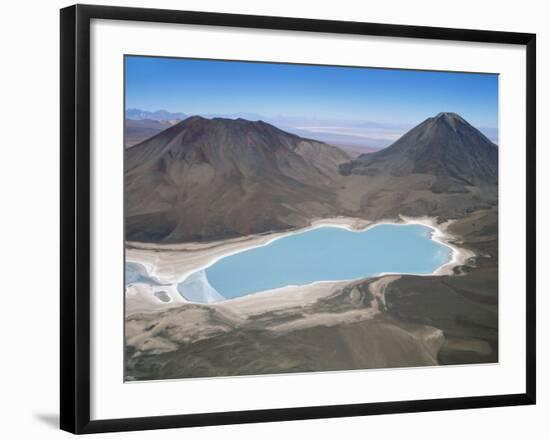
(327, 254)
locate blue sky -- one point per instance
(316, 92)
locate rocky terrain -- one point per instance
(388, 321)
(211, 179)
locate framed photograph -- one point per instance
(268, 218)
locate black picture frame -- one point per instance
(75, 217)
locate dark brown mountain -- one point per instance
(443, 167)
(206, 179)
(445, 146)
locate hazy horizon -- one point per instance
(341, 132)
(352, 105)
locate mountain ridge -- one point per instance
(209, 179)
(235, 176)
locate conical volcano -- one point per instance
(445, 146)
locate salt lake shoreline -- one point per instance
(161, 261)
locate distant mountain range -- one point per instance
(354, 136)
(137, 114)
(207, 179)
(138, 130)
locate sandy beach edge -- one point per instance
(161, 261)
